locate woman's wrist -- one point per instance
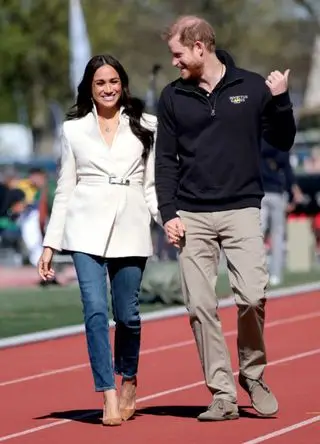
(49, 249)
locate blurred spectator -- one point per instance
(31, 185)
(312, 163)
(31, 215)
(29, 220)
(3, 200)
(316, 232)
(12, 204)
(277, 178)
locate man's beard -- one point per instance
(194, 71)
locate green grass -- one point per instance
(30, 310)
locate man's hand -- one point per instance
(175, 231)
(278, 82)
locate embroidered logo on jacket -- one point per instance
(238, 99)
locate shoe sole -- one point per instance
(225, 418)
(266, 415)
(112, 422)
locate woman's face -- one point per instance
(106, 87)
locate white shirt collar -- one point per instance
(122, 113)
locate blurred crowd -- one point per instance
(26, 199)
(25, 205)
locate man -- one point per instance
(277, 177)
(209, 188)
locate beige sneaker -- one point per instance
(220, 410)
(262, 398)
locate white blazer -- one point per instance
(92, 211)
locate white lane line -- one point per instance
(81, 366)
(149, 397)
(72, 368)
(283, 431)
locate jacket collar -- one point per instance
(123, 114)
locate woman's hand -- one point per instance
(45, 270)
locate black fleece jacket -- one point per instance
(208, 144)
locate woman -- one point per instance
(101, 214)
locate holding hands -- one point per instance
(175, 231)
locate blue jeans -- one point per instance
(125, 276)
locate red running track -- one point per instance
(47, 392)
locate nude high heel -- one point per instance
(110, 421)
(128, 397)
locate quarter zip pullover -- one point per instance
(208, 144)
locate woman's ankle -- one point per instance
(111, 404)
(110, 395)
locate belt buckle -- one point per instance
(118, 181)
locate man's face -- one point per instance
(187, 60)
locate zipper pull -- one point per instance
(213, 112)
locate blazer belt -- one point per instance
(118, 181)
(111, 180)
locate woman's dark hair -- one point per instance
(132, 107)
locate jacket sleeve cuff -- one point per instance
(282, 101)
(168, 212)
(56, 246)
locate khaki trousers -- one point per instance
(239, 233)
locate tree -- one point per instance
(34, 55)
(34, 52)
